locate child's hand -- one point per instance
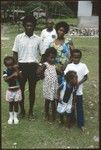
(77, 85)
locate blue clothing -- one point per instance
(67, 91)
(80, 111)
(13, 81)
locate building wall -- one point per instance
(84, 8)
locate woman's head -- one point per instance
(62, 28)
(9, 61)
(29, 23)
(71, 78)
(50, 55)
(76, 56)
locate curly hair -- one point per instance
(7, 58)
(70, 75)
(62, 24)
(29, 18)
(49, 51)
(77, 51)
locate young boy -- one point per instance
(82, 73)
(66, 92)
(48, 35)
(13, 94)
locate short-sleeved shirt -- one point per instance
(47, 37)
(12, 82)
(28, 48)
(81, 70)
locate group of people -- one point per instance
(61, 71)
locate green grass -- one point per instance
(39, 134)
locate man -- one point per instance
(48, 35)
(26, 53)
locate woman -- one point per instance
(63, 45)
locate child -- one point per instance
(13, 93)
(50, 82)
(65, 97)
(82, 72)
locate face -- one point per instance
(29, 28)
(9, 64)
(74, 81)
(50, 24)
(61, 32)
(51, 59)
(76, 58)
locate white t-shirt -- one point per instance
(81, 70)
(47, 38)
(28, 48)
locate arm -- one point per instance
(58, 95)
(82, 81)
(58, 92)
(7, 78)
(15, 56)
(16, 68)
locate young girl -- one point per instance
(82, 72)
(13, 93)
(50, 82)
(66, 94)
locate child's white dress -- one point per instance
(50, 82)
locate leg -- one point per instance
(23, 81)
(16, 121)
(47, 102)
(61, 118)
(73, 117)
(21, 103)
(80, 113)
(32, 86)
(10, 120)
(11, 106)
(53, 105)
(68, 120)
(16, 107)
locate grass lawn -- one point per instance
(39, 134)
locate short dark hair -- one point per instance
(77, 51)
(29, 18)
(62, 24)
(50, 50)
(7, 58)
(70, 75)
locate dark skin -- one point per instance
(76, 59)
(16, 74)
(69, 118)
(50, 25)
(50, 60)
(29, 29)
(60, 39)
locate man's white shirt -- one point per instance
(47, 38)
(81, 70)
(28, 48)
